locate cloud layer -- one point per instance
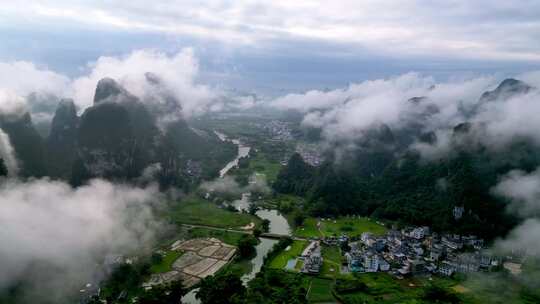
(167, 82)
(462, 29)
(348, 113)
(177, 75)
(68, 229)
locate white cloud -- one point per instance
(19, 79)
(464, 29)
(69, 229)
(525, 236)
(24, 78)
(523, 189)
(178, 74)
(227, 184)
(347, 113)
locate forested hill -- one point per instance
(385, 178)
(118, 138)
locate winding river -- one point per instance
(278, 223)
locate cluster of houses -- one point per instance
(416, 251)
(311, 154)
(312, 258)
(278, 130)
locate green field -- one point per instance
(320, 290)
(196, 211)
(280, 261)
(261, 164)
(343, 225)
(166, 263)
(227, 237)
(331, 261)
(382, 288)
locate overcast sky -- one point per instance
(276, 46)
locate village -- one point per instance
(408, 252)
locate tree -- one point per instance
(257, 232)
(171, 293)
(299, 217)
(438, 294)
(156, 258)
(246, 246)
(225, 288)
(252, 209)
(276, 286)
(265, 225)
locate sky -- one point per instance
(277, 47)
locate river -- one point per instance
(243, 151)
(278, 223)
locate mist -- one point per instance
(228, 185)
(68, 230)
(167, 83)
(347, 114)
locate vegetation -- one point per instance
(276, 286)
(165, 262)
(196, 211)
(222, 288)
(335, 227)
(171, 293)
(228, 237)
(407, 190)
(268, 287)
(320, 290)
(125, 282)
(280, 261)
(246, 246)
(277, 249)
(383, 288)
(331, 261)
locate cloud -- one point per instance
(348, 113)
(523, 237)
(167, 83)
(460, 29)
(23, 78)
(523, 189)
(176, 76)
(25, 87)
(227, 184)
(71, 230)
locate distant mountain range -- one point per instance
(384, 177)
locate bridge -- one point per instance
(267, 235)
(274, 235)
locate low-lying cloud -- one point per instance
(523, 190)
(49, 223)
(228, 185)
(177, 75)
(167, 82)
(348, 113)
